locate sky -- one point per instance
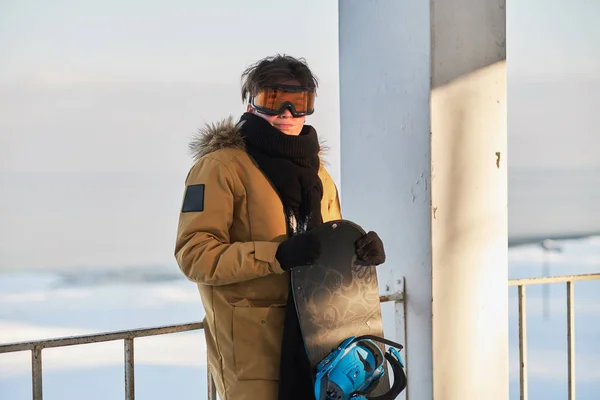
(553, 83)
(87, 75)
(553, 39)
(98, 102)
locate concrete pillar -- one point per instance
(423, 163)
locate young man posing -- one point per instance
(256, 190)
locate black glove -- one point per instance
(298, 251)
(369, 249)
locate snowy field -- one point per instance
(54, 304)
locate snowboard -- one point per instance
(337, 297)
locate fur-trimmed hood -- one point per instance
(226, 134)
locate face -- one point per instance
(285, 121)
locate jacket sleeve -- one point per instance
(203, 249)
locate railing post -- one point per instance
(400, 319)
(212, 390)
(571, 339)
(36, 372)
(523, 342)
(129, 370)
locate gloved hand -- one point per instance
(298, 251)
(369, 249)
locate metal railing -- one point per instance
(522, 299)
(396, 295)
(128, 337)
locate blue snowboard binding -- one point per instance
(353, 369)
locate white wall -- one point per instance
(426, 177)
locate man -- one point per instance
(256, 189)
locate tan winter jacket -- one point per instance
(228, 249)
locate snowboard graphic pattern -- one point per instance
(337, 298)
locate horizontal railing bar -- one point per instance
(127, 334)
(391, 297)
(553, 279)
(100, 337)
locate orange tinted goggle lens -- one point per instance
(276, 100)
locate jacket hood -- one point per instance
(225, 134)
(215, 136)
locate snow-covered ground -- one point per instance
(49, 304)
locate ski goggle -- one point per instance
(274, 100)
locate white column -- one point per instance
(423, 163)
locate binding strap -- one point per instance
(397, 368)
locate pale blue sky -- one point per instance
(186, 40)
(189, 41)
(126, 70)
(553, 37)
(98, 101)
(72, 73)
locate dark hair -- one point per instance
(272, 70)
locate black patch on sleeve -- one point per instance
(194, 199)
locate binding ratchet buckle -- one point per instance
(353, 370)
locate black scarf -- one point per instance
(292, 164)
